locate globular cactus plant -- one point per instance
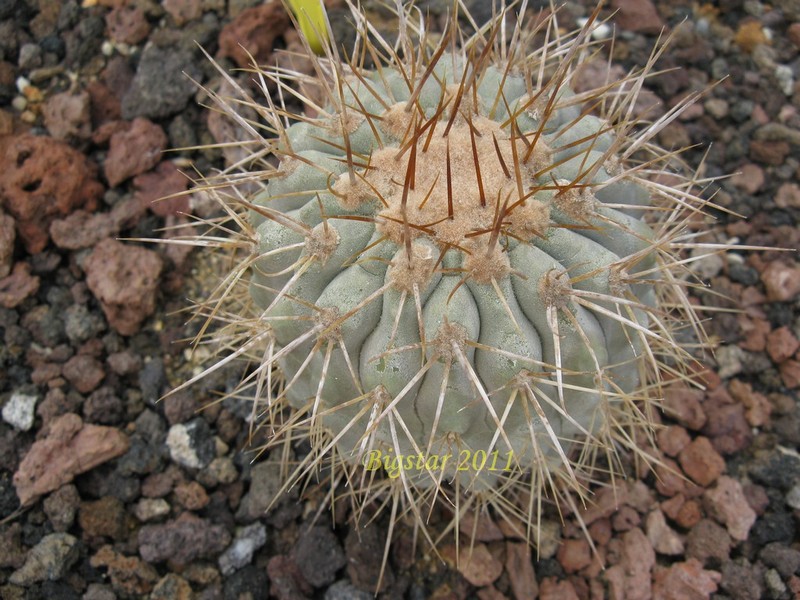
(468, 281)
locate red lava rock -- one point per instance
(520, 570)
(254, 30)
(673, 439)
(669, 481)
(625, 519)
(788, 196)
(490, 593)
(192, 495)
(165, 180)
(67, 116)
(726, 426)
(127, 24)
(630, 577)
(134, 150)
(689, 514)
(18, 286)
(124, 278)
(286, 580)
(183, 11)
(84, 373)
(7, 237)
(478, 565)
(637, 15)
(757, 407)
(663, 538)
(750, 178)
(182, 540)
(574, 555)
(755, 333)
(605, 504)
(685, 581)
(104, 105)
(42, 179)
(552, 589)
(129, 575)
(781, 344)
(726, 502)
(683, 404)
(69, 449)
(82, 230)
(790, 373)
(701, 462)
(708, 541)
(600, 531)
(781, 281)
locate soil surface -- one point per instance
(105, 492)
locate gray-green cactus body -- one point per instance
(408, 325)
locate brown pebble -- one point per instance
(701, 462)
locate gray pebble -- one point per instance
(50, 559)
(19, 411)
(240, 552)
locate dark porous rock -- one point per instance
(142, 458)
(106, 481)
(162, 84)
(742, 580)
(776, 470)
(171, 587)
(773, 527)
(249, 582)
(319, 555)
(784, 559)
(61, 507)
(152, 380)
(364, 549)
(182, 540)
(265, 483)
(81, 325)
(103, 406)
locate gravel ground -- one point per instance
(106, 493)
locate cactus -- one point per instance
(460, 281)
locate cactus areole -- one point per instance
(465, 272)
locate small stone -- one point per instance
(134, 150)
(265, 483)
(124, 278)
(191, 495)
(630, 578)
(18, 286)
(683, 404)
(82, 230)
(553, 589)
(727, 504)
(240, 553)
(61, 507)
(344, 590)
(476, 564)
(150, 509)
(20, 411)
(127, 25)
(191, 444)
(172, 587)
(742, 580)
(520, 570)
(781, 344)
(793, 497)
(252, 33)
(788, 196)
(685, 581)
(318, 555)
(129, 575)
(708, 542)
(43, 179)
(104, 517)
(574, 555)
(84, 373)
(663, 538)
(637, 15)
(672, 439)
(701, 462)
(7, 236)
(162, 85)
(183, 11)
(781, 281)
(774, 583)
(48, 560)
(782, 558)
(182, 540)
(70, 448)
(153, 188)
(67, 116)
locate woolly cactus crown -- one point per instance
(451, 252)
